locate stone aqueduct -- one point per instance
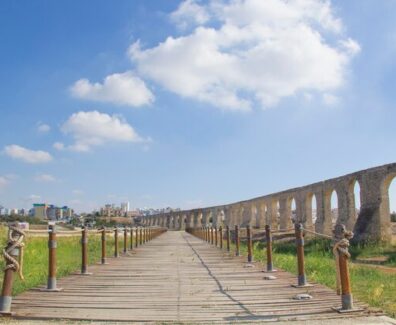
(372, 222)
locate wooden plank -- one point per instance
(177, 278)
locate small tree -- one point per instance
(393, 216)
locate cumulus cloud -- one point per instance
(43, 128)
(27, 155)
(90, 129)
(44, 178)
(189, 13)
(119, 88)
(258, 53)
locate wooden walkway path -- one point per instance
(177, 278)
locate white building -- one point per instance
(125, 207)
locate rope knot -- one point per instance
(14, 241)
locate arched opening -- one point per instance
(389, 198)
(356, 194)
(254, 215)
(314, 207)
(264, 215)
(293, 209)
(392, 203)
(334, 207)
(277, 226)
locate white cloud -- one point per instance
(3, 182)
(119, 88)
(27, 155)
(189, 13)
(59, 146)
(90, 129)
(261, 52)
(43, 128)
(351, 46)
(44, 178)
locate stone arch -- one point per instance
(353, 199)
(334, 207)
(310, 210)
(262, 214)
(385, 208)
(284, 212)
(255, 215)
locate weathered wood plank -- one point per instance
(177, 277)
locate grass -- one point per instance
(35, 266)
(372, 286)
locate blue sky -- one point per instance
(194, 103)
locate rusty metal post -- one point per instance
(84, 252)
(51, 282)
(11, 255)
(268, 239)
(215, 230)
(221, 236)
(301, 279)
(237, 241)
(116, 242)
(228, 238)
(249, 244)
(125, 240)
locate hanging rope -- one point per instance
(318, 234)
(15, 241)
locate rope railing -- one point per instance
(318, 234)
(340, 250)
(13, 253)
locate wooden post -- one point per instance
(141, 236)
(211, 235)
(52, 244)
(125, 240)
(136, 237)
(13, 248)
(116, 242)
(301, 279)
(103, 259)
(228, 238)
(237, 242)
(221, 236)
(268, 239)
(215, 230)
(249, 244)
(131, 238)
(84, 252)
(342, 255)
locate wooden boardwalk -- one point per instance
(178, 278)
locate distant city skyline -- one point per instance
(187, 103)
